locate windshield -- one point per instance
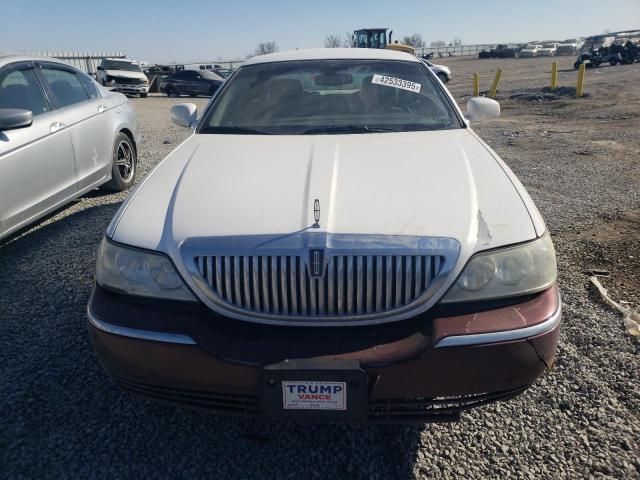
(371, 39)
(210, 75)
(116, 65)
(330, 96)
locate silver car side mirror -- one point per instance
(482, 108)
(184, 114)
(11, 118)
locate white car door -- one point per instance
(37, 169)
(84, 112)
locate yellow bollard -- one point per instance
(494, 86)
(580, 85)
(476, 84)
(554, 75)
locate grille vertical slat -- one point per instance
(274, 284)
(293, 285)
(264, 278)
(408, 277)
(340, 286)
(255, 281)
(417, 284)
(285, 289)
(379, 274)
(227, 279)
(352, 285)
(389, 282)
(360, 287)
(302, 274)
(331, 287)
(369, 285)
(237, 294)
(313, 304)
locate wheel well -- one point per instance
(128, 133)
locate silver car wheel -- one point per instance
(125, 161)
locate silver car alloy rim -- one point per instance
(124, 160)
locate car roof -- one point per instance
(7, 59)
(333, 54)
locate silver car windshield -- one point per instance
(116, 65)
(330, 96)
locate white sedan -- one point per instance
(61, 135)
(331, 243)
(442, 71)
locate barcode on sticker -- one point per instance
(396, 83)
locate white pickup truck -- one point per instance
(123, 75)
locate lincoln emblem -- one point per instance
(316, 213)
(316, 262)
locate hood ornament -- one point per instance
(316, 213)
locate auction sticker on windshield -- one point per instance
(396, 83)
(311, 395)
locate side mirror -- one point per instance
(184, 114)
(12, 118)
(482, 108)
(100, 67)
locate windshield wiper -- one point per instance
(347, 129)
(235, 130)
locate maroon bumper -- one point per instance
(427, 369)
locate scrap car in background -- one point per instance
(191, 82)
(123, 75)
(61, 135)
(548, 50)
(530, 50)
(442, 71)
(334, 243)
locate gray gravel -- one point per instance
(60, 416)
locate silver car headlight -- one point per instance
(138, 272)
(506, 272)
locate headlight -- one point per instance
(136, 272)
(506, 272)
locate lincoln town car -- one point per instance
(332, 243)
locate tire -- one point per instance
(124, 164)
(169, 91)
(576, 65)
(143, 95)
(443, 78)
(613, 62)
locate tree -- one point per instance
(457, 41)
(332, 41)
(266, 47)
(415, 40)
(438, 43)
(347, 41)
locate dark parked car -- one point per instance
(191, 82)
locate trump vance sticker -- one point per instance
(309, 395)
(396, 83)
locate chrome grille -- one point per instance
(352, 285)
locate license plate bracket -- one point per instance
(309, 389)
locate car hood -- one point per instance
(126, 74)
(435, 184)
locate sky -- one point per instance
(191, 30)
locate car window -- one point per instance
(331, 96)
(89, 86)
(20, 89)
(65, 86)
(180, 75)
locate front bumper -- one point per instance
(430, 368)
(128, 88)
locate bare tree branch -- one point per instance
(332, 41)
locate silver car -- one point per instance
(61, 135)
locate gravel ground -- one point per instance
(60, 416)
